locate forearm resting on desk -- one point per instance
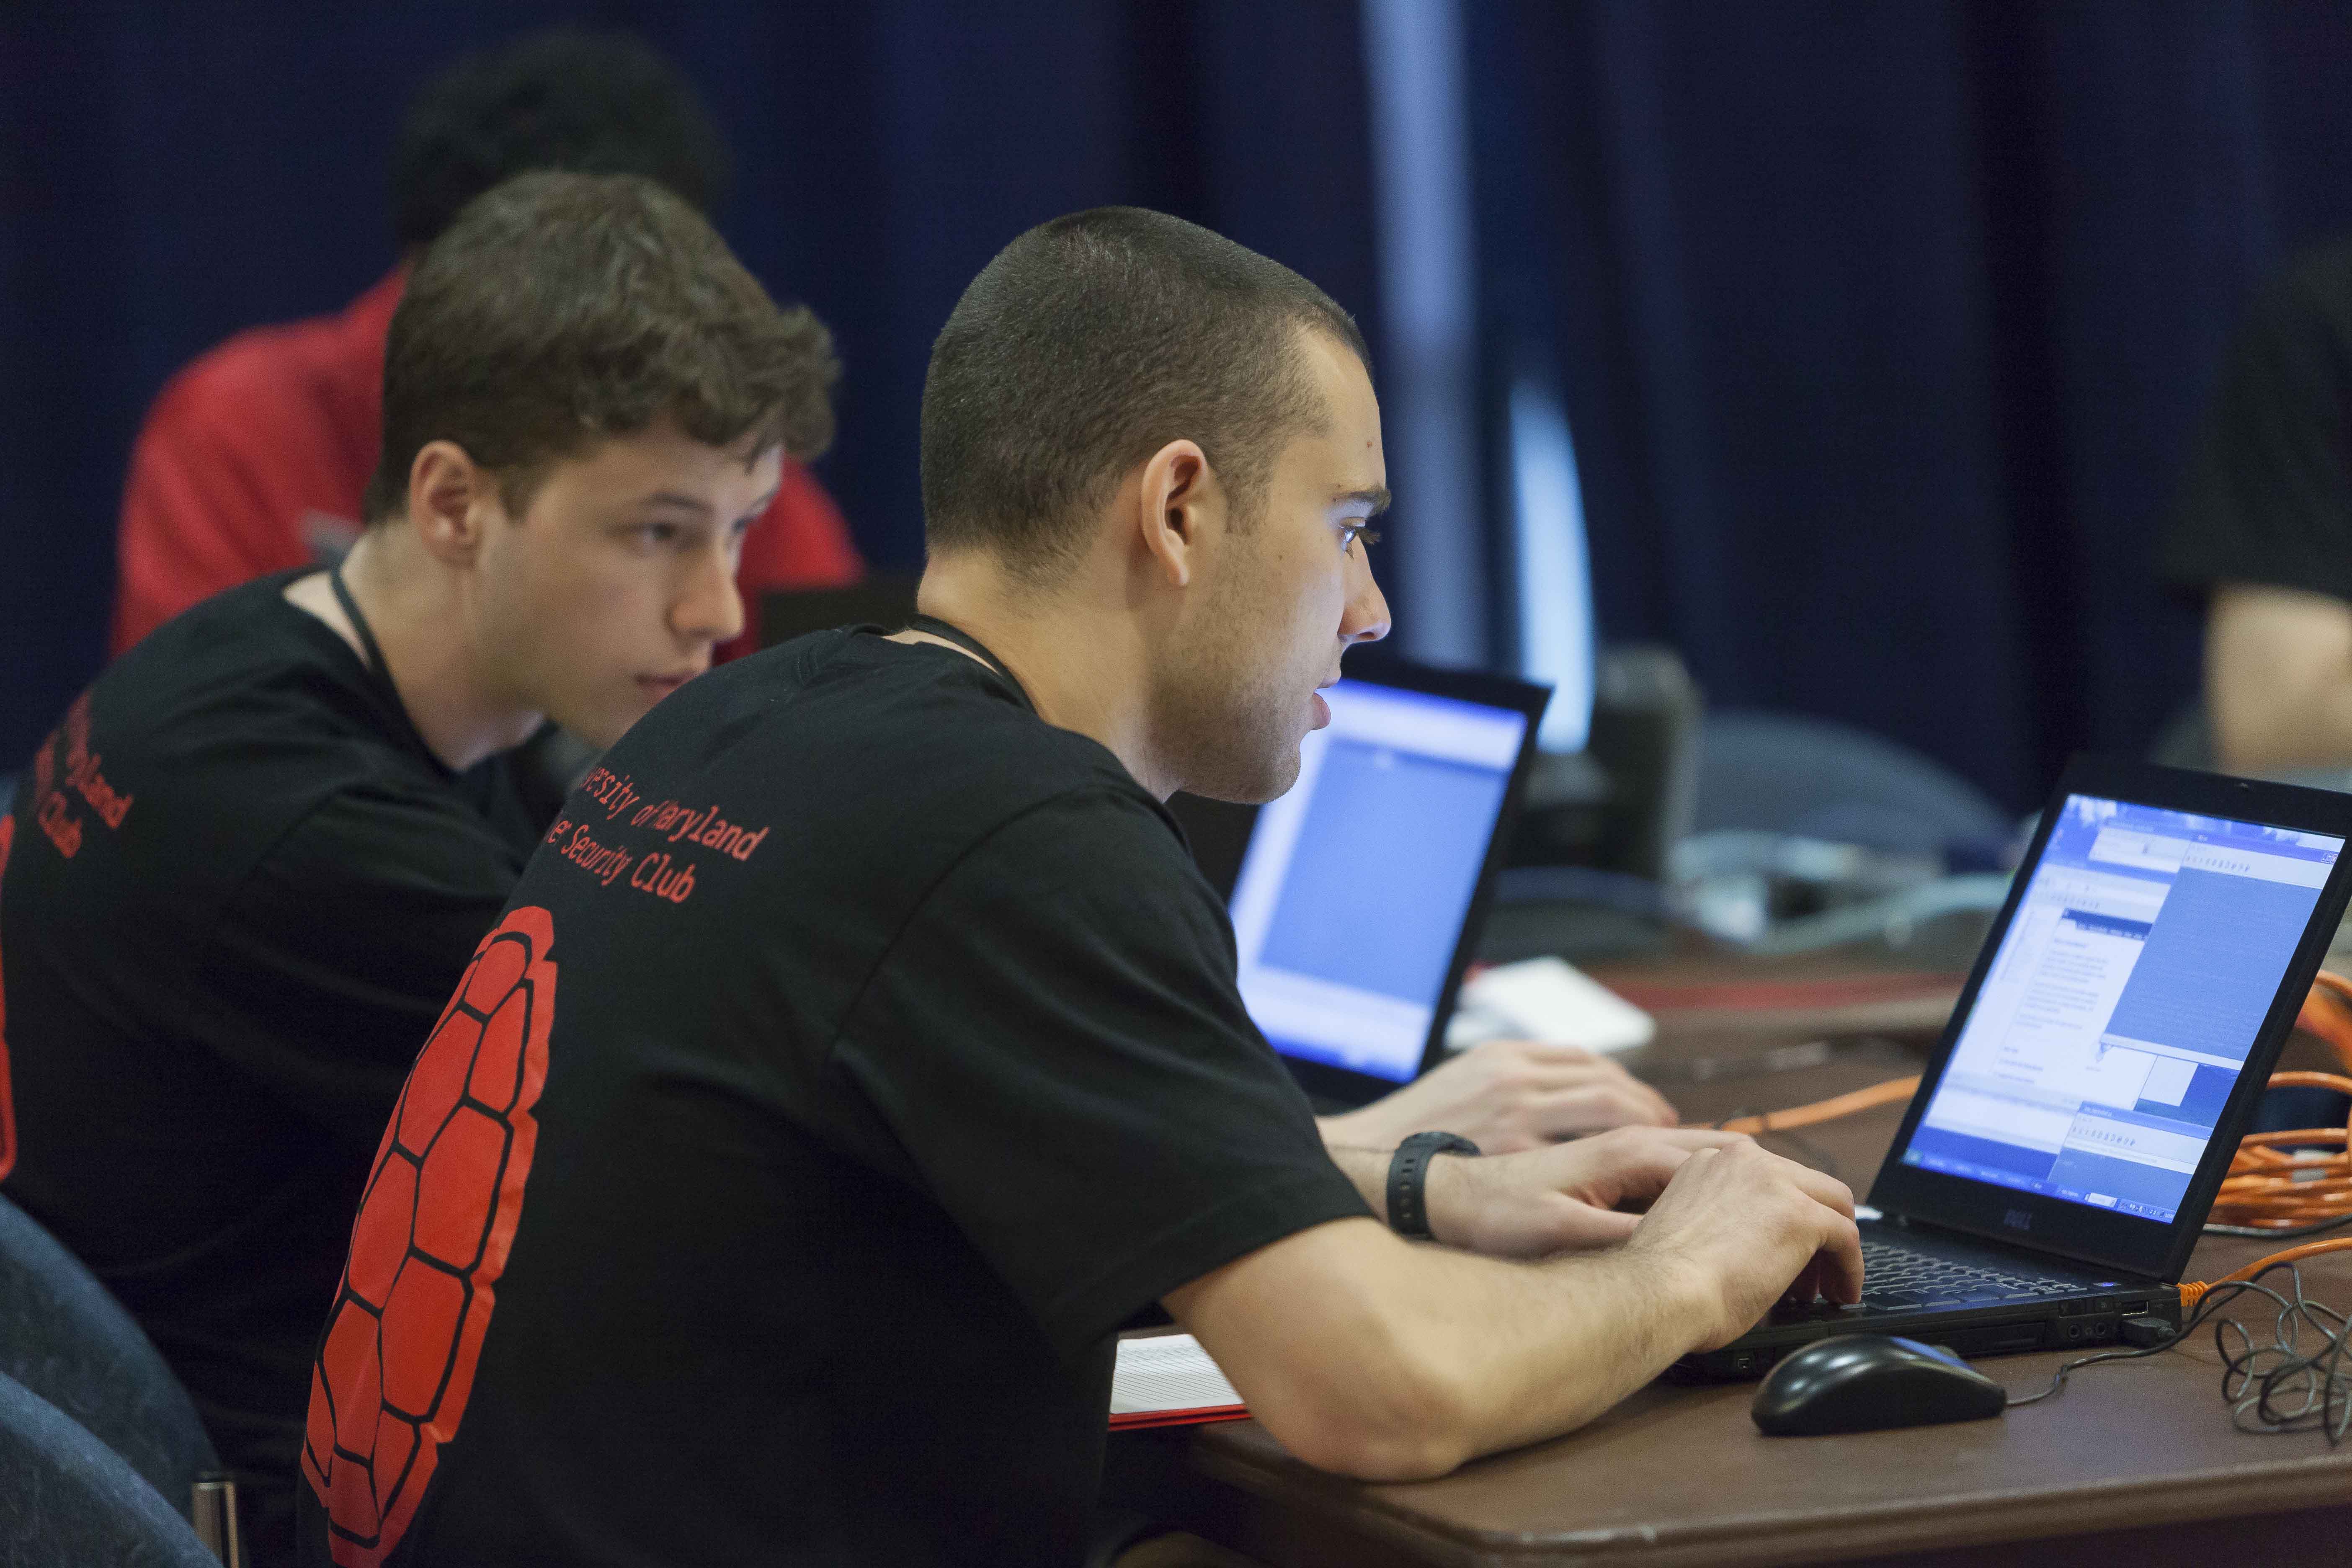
(1563, 1198)
(1379, 1358)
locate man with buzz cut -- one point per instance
(257, 853)
(788, 1216)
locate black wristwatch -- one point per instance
(1408, 1171)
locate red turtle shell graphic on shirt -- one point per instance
(441, 1204)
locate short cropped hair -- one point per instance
(591, 102)
(1087, 346)
(560, 309)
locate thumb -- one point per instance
(1582, 1225)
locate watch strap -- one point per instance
(1408, 1177)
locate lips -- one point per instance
(661, 686)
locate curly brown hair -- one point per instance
(560, 309)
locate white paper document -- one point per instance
(1547, 999)
(1167, 1377)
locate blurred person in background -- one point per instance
(2264, 528)
(254, 456)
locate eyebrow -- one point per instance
(702, 508)
(1376, 499)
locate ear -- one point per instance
(452, 502)
(1177, 501)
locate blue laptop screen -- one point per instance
(2121, 1004)
(1355, 885)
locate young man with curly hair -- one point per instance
(254, 456)
(253, 860)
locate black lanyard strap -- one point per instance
(931, 625)
(359, 623)
(379, 673)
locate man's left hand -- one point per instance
(1506, 1096)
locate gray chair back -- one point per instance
(70, 1499)
(1788, 773)
(65, 1338)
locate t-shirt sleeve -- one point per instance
(1057, 1041)
(2269, 496)
(334, 957)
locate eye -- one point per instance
(1351, 532)
(668, 535)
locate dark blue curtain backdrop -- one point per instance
(1883, 325)
(171, 172)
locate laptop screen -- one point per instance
(1351, 895)
(2143, 956)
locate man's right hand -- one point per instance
(1564, 1198)
(1749, 1228)
(1374, 1357)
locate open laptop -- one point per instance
(1359, 893)
(2056, 1164)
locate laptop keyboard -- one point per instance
(1894, 1277)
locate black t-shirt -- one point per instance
(857, 1054)
(2269, 497)
(239, 890)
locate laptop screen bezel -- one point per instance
(2079, 1230)
(1343, 1085)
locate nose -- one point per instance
(1367, 615)
(709, 609)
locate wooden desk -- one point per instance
(2133, 1463)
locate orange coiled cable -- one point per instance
(2292, 1255)
(1830, 1110)
(2276, 1181)
(2270, 1187)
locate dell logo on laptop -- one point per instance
(2018, 1219)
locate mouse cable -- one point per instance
(2297, 1383)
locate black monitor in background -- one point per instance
(1359, 896)
(881, 598)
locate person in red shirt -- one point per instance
(254, 456)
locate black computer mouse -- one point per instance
(1861, 1382)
